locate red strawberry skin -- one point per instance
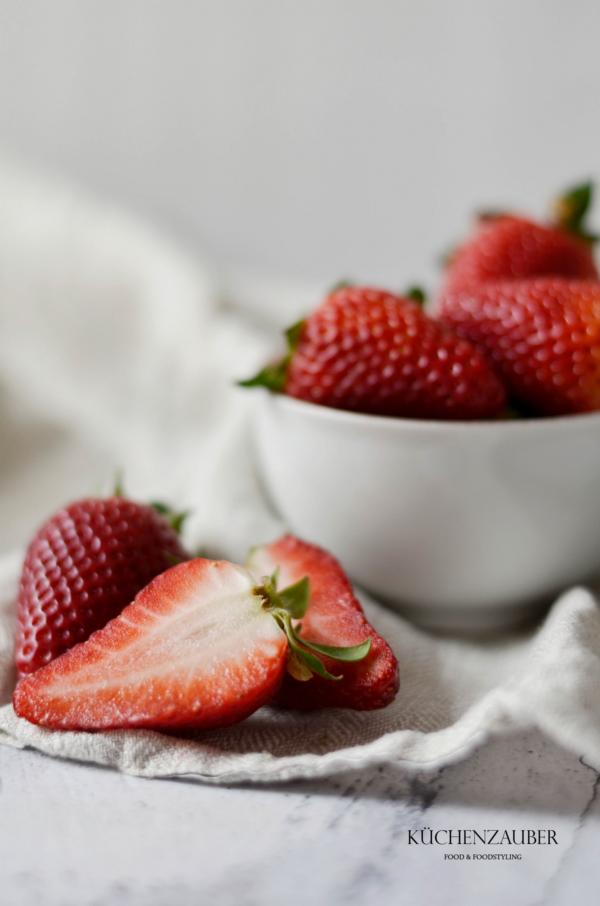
(542, 335)
(195, 650)
(84, 565)
(370, 351)
(513, 248)
(334, 617)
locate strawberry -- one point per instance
(202, 646)
(82, 567)
(370, 351)
(335, 616)
(507, 247)
(542, 335)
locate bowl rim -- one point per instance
(392, 423)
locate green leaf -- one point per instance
(294, 599)
(301, 654)
(352, 653)
(313, 663)
(571, 208)
(291, 604)
(271, 376)
(341, 284)
(174, 518)
(177, 520)
(417, 294)
(273, 579)
(161, 508)
(293, 333)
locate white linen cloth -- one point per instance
(116, 350)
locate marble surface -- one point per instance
(76, 835)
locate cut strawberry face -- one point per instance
(203, 646)
(333, 617)
(196, 649)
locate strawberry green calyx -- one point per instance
(570, 210)
(117, 490)
(341, 284)
(174, 518)
(417, 294)
(488, 215)
(273, 376)
(290, 604)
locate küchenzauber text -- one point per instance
(427, 836)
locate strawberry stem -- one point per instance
(291, 604)
(118, 485)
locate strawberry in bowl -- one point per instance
(527, 295)
(542, 336)
(391, 445)
(369, 350)
(506, 246)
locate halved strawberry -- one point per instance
(334, 616)
(195, 649)
(202, 646)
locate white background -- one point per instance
(311, 139)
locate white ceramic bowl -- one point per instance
(462, 525)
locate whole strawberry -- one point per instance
(84, 565)
(507, 247)
(371, 351)
(542, 335)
